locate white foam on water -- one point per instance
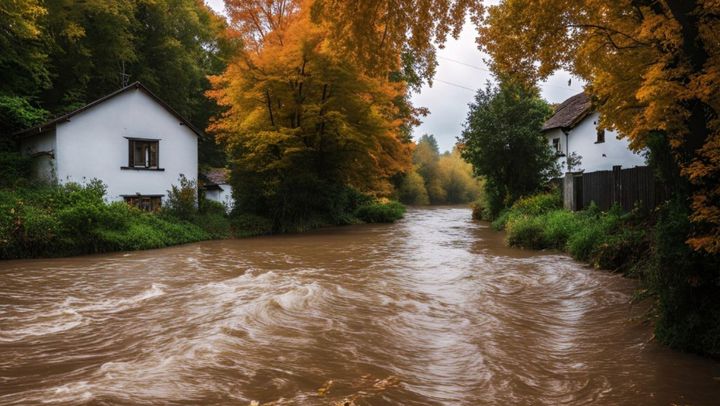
(75, 392)
(122, 304)
(69, 314)
(56, 321)
(300, 297)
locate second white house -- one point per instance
(574, 129)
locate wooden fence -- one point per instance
(627, 187)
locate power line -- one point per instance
(455, 84)
(488, 70)
(465, 64)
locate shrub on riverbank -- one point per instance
(682, 282)
(74, 219)
(539, 222)
(380, 212)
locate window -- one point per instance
(146, 203)
(143, 154)
(600, 136)
(556, 146)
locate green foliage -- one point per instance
(213, 219)
(16, 113)
(412, 190)
(684, 283)
(22, 60)
(14, 169)
(182, 200)
(58, 55)
(537, 204)
(501, 221)
(249, 225)
(502, 141)
(687, 284)
(74, 219)
(380, 212)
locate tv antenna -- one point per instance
(124, 77)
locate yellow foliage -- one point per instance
(289, 97)
(650, 65)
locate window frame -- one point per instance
(600, 136)
(155, 202)
(131, 154)
(557, 147)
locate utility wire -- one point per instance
(488, 70)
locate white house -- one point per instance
(574, 129)
(217, 188)
(130, 140)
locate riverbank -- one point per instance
(72, 219)
(432, 310)
(681, 283)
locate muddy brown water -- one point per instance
(433, 310)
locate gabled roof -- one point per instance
(137, 85)
(215, 176)
(571, 112)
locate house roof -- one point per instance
(137, 85)
(570, 112)
(215, 176)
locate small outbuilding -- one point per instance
(132, 141)
(217, 187)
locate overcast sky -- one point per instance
(460, 73)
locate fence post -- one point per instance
(571, 190)
(616, 185)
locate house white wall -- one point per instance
(94, 144)
(595, 156)
(223, 196)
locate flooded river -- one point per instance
(433, 310)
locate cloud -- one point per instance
(461, 71)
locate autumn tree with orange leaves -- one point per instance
(303, 125)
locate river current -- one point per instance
(432, 310)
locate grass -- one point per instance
(72, 219)
(682, 284)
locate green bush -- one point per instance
(581, 245)
(213, 219)
(380, 212)
(559, 226)
(14, 169)
(182, 200)
(412, 190)
(249, 225)
(526, 232)
(537, 204)
(687, 284)
(74, 219)
(501, 221)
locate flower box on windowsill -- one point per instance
(141, 168)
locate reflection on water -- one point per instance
(432, 310)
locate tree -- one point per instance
(456, 178)
(502, 141)
(23, 71)
(22, 60)
(375, 33)
(303, 125)
(425, 160)
(652, 67)
(412, 190)
(438, 179)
